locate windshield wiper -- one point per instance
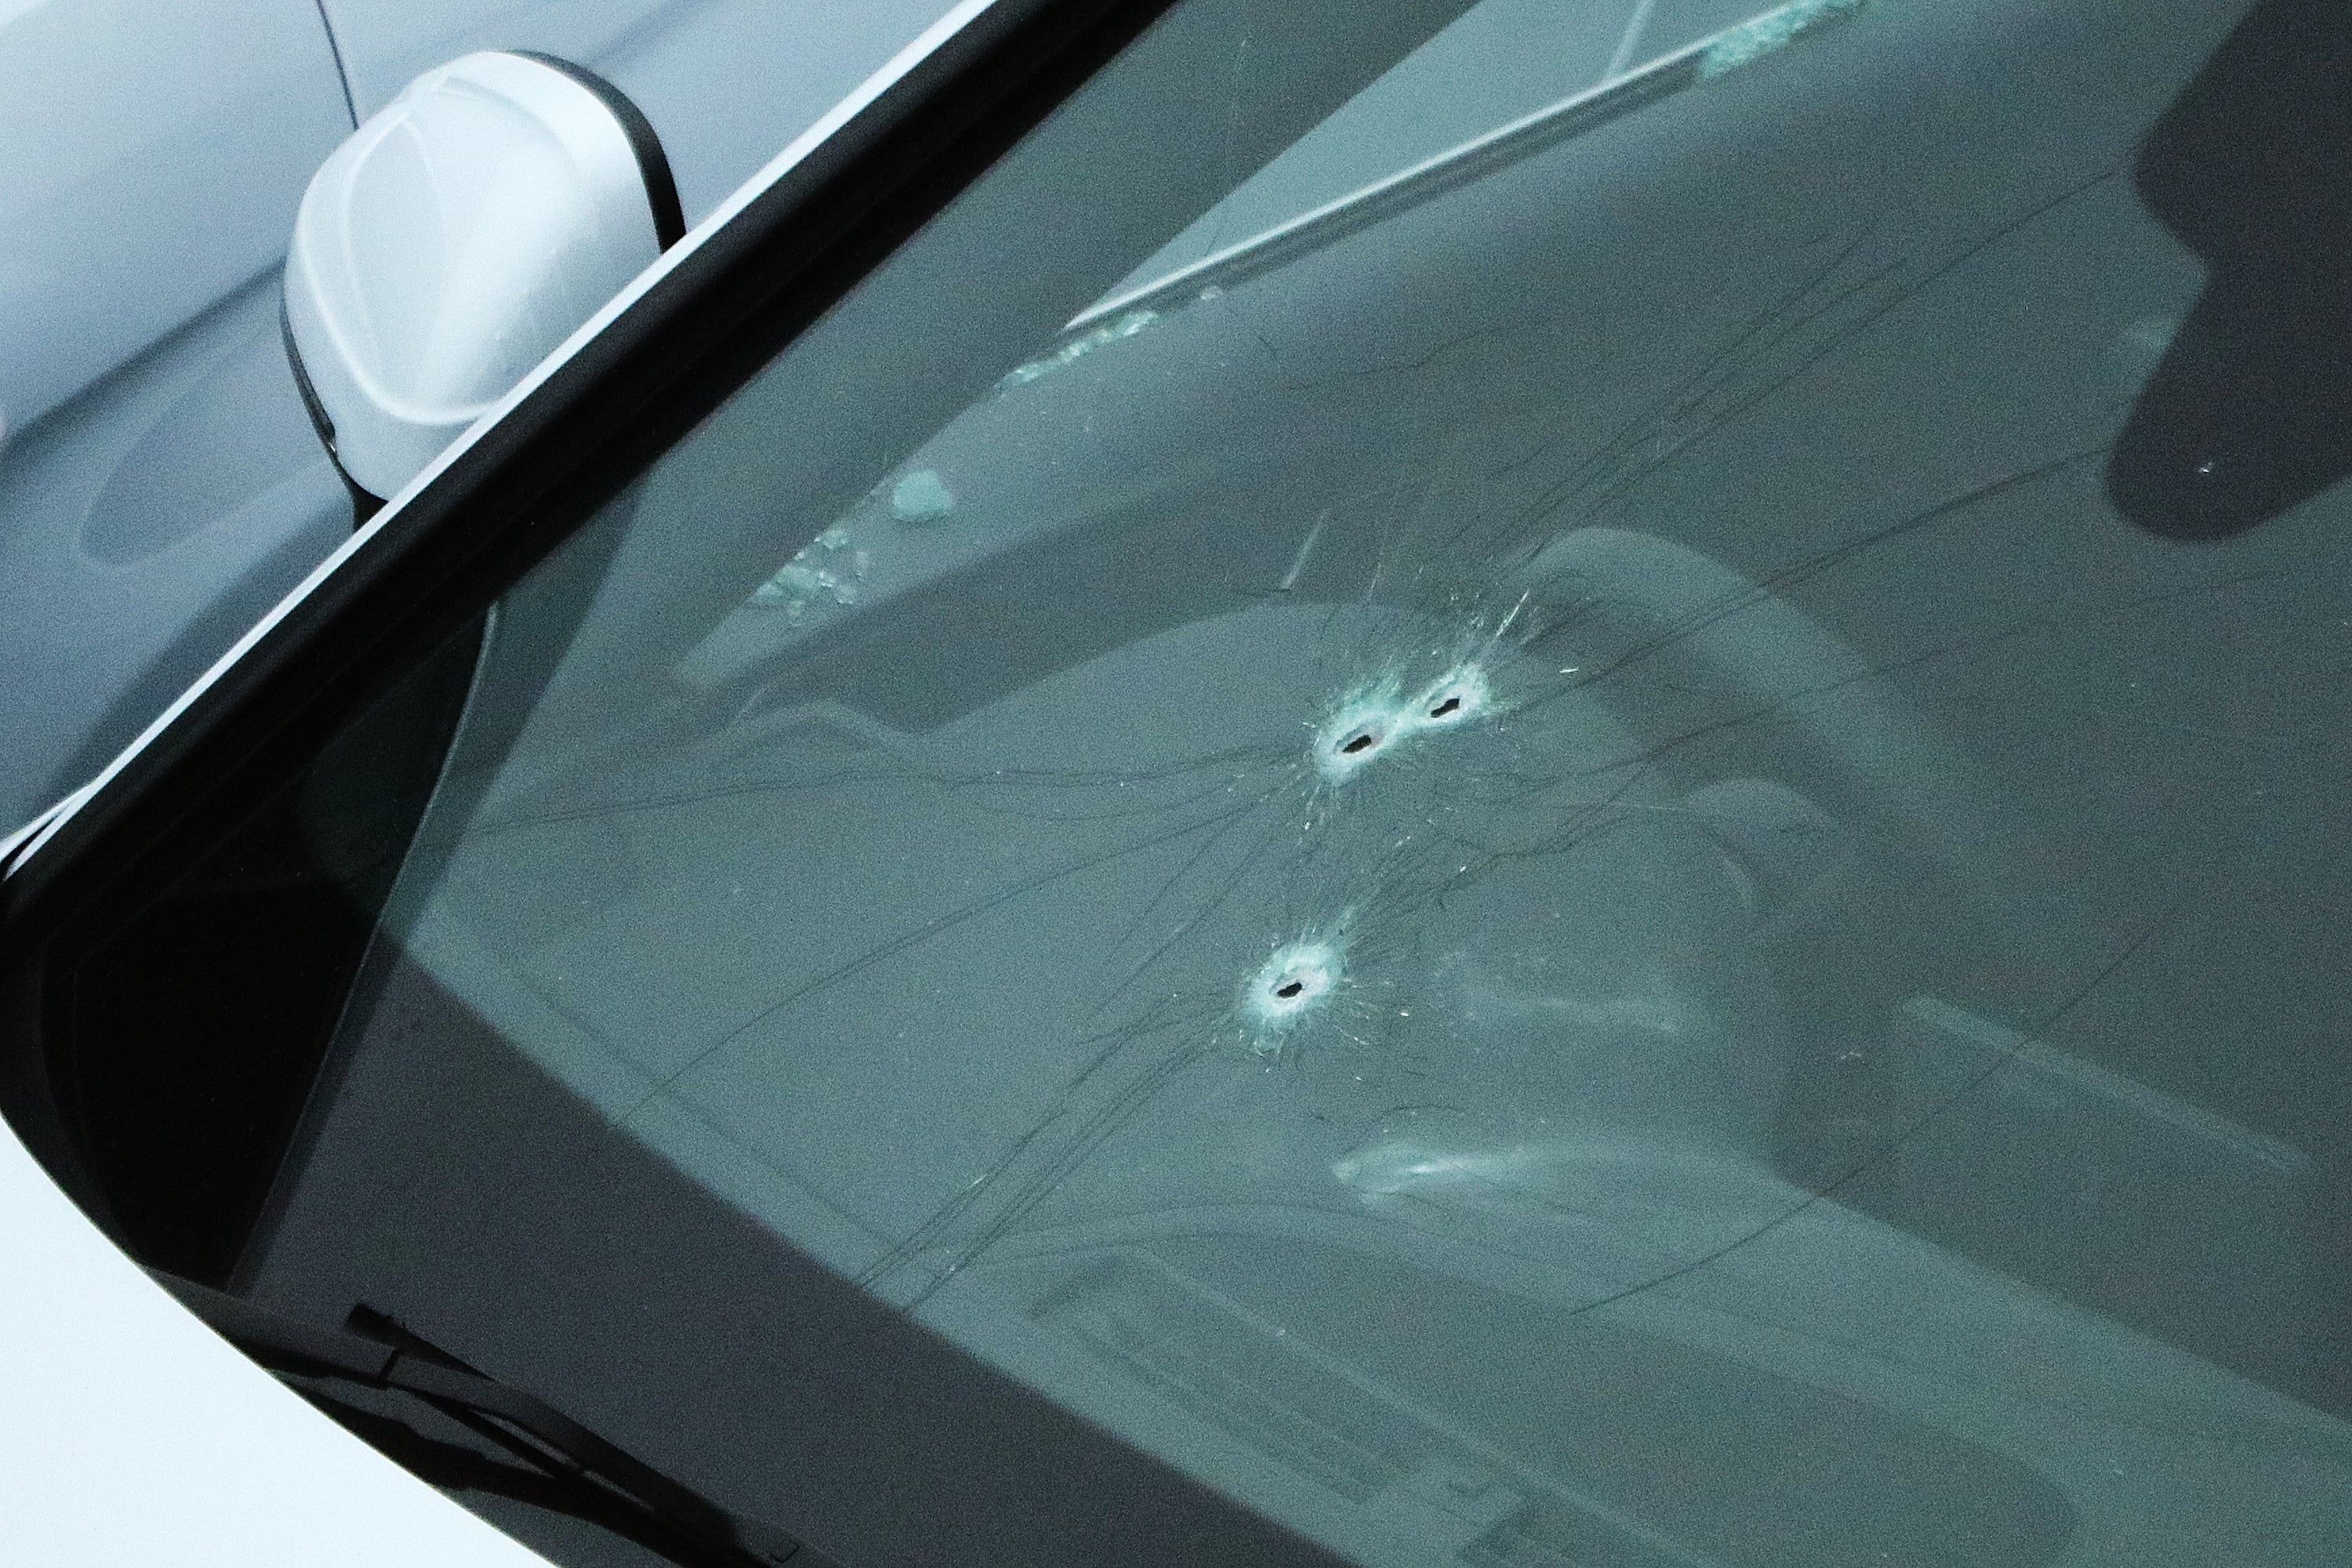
(557, 1464)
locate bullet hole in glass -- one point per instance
(1295, 981)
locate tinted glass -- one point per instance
(1604, 827)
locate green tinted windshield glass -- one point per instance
(1601, 823)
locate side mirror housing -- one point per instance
(454, 240)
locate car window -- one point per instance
(1636, 858)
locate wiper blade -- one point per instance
(561, 1466)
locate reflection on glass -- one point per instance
(1545, 884)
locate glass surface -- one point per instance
(1623, 844)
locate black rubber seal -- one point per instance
(310, 404)
(661, 187)
(365, 503)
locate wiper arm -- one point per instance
(562, 1467)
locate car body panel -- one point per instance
(151, 157)
(135, 1435)
(159, 487)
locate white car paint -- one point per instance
(455, 238)
(131, 1434)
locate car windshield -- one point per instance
(1597, 818)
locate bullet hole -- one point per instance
(1360, 728)
(1457, 697)
(1289, 987)
(1378, 717)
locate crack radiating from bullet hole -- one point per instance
(1299, 979)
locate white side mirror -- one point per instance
(454, 240)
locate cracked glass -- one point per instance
(1604, 825)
